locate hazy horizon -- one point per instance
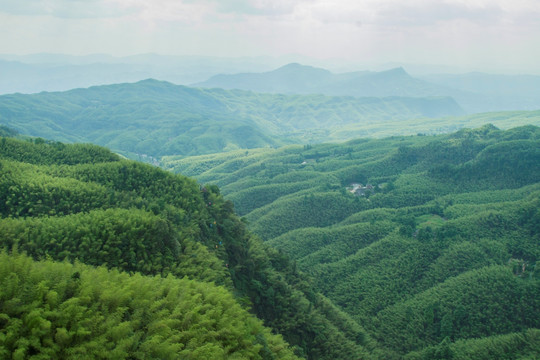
(499, 36)
(241, 64)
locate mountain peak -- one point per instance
(399, 71)
(295, 78)
(296, 68)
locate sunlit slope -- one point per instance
(82, 203)
(77, 311)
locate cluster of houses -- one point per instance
(149, 159)
(360, 190)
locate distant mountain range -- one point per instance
(158, 118)
(300, 79)
(492, 92)
(475, 92)
(53, 72)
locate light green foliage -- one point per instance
(49, 152)
(59, 310)
(27, 190)
(312, 245)
(132, 240)
(141, 219)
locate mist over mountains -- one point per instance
(54, 72)
(474, 91)
(295, 78)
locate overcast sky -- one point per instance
(490, 34)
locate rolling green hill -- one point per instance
(149, 117)
(169, 270)
(439, 251)
(153, 118)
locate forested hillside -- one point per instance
(126, 260)
(56, 310)
(416, 247)
(150, 118)
(430, 242)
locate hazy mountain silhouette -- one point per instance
(475, 92)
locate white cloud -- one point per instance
(257, 7)
(66, 8)
(168, 11)
(395, 13)
(377, 30)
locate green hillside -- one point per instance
(151, 119)
(53, 310)
(148, 119)
(439, 251)
(169, 270)
(224, 166)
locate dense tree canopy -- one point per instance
(59, 310)
(437, 246)
(117, 214)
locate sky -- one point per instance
(499, 35)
